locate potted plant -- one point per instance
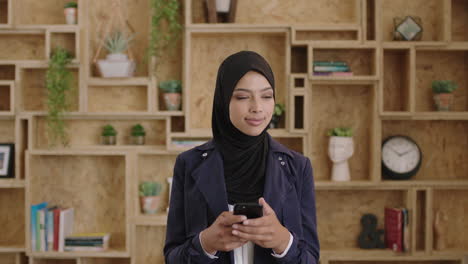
(165, 27)
(108, 136)
(149, 196)
(171, 94)
(278, 113)
(443, 96)
(59, 86)
(340, 149)
(138, 135)
(71, 10)
(117, 63)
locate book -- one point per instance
(393, 229)
(34, 209)
(333, 73)
(56, 228)
(74, 248)
(88, 239)
(406, 233)
(66, 226)
(49, 222)
(330, 63)
(331, 68)
(41, 238)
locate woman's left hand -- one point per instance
(265, 231)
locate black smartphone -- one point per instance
(251, 210)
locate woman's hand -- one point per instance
(219, 237)
(265, 231)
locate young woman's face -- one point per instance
(252, 104)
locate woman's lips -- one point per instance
(253, 121)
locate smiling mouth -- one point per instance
(254, 121)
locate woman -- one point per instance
(242, 163)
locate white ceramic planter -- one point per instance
(340, 149)
(222, 6)
(116, 65)
(70, 15)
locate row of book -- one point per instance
(397, 229)
(331, 68)
(52, 230)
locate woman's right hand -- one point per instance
(218, 237)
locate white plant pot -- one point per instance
(222, 6)
(70, 15)
(116, 65)
(340, 149)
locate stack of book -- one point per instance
(49, 226)
(397, 229)
(331, 68)
(87, 242)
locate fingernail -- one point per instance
(244, 218)
(234, 232)
(246, 222)
(235, 226)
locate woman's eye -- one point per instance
(241, 97)
(268, 96)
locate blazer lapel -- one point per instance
(209, 178)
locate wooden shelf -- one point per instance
(137, 81)
(11, 183)
(344, 80)
(157, 220)
(424, 116)
(382, 255)
(12, 249)
(113, 253)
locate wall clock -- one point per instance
(401, 157)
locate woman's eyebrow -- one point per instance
(249, 90)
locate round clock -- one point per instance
(401, 158)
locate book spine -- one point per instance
(330, 63)
(50, 230)
(42, 235)
(331, 68)
(56, 228)
(77, 248)
(393, 229)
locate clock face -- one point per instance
(400, 155)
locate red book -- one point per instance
(56, 228)
(394, 229)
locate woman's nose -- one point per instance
(255, 107)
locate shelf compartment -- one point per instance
(337, 106)
(420, 232)
(64, 39)
(441, 65)
(370, 21)
(101, 208)
(8, 258)
(299, 112)
(448, 162)
(296, 143)
(131, 98)
(431, 13)
(31, 13)
(86, 132)
(215, 47)
(7, 131)
(299, 58)
(6, 96)
(53, 261)
(7, 72)
(303, 12)
(104, 261)
(149, 238)
(459, 18)
(335, 206)
(12, 203)
(5, 13)
(452, 203)
(154, 168)
(22, 46)
(361, 61)
(33, 92)
(137, 15)
(396, 80)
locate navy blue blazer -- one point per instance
(198, 196)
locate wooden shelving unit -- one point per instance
(388, 94)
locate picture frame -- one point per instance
(7, 157)
(407, 28)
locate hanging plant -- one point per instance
(165, 26)
(58, 83)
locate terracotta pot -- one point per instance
(443, 101)
(138, 140)
(70, 15)
(149, 204)
(108, 140)
(172, 101)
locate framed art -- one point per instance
(408, 28)
(7, 157)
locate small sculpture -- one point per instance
(340, 149)
(439, 234)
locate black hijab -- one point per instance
(244, 156)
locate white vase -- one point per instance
(169, 180)
(70, 15)
(223, 6)
(116, 65)
(340, 149)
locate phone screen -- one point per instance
(251, 210)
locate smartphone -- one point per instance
(251, 210)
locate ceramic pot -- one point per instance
(172, 101)
(149, 204)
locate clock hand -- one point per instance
(394, 150)
(406, 152)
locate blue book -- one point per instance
(49, 228)
(34, 209)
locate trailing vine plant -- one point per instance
(59, 85)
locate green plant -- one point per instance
(150, 188)
(340, 132)
(71, 5)
(443, 86)
(171, 86)
(117, 42)
(138, 130)
(58, 84)
(109, 130)
(279, 109)
(165, 25)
